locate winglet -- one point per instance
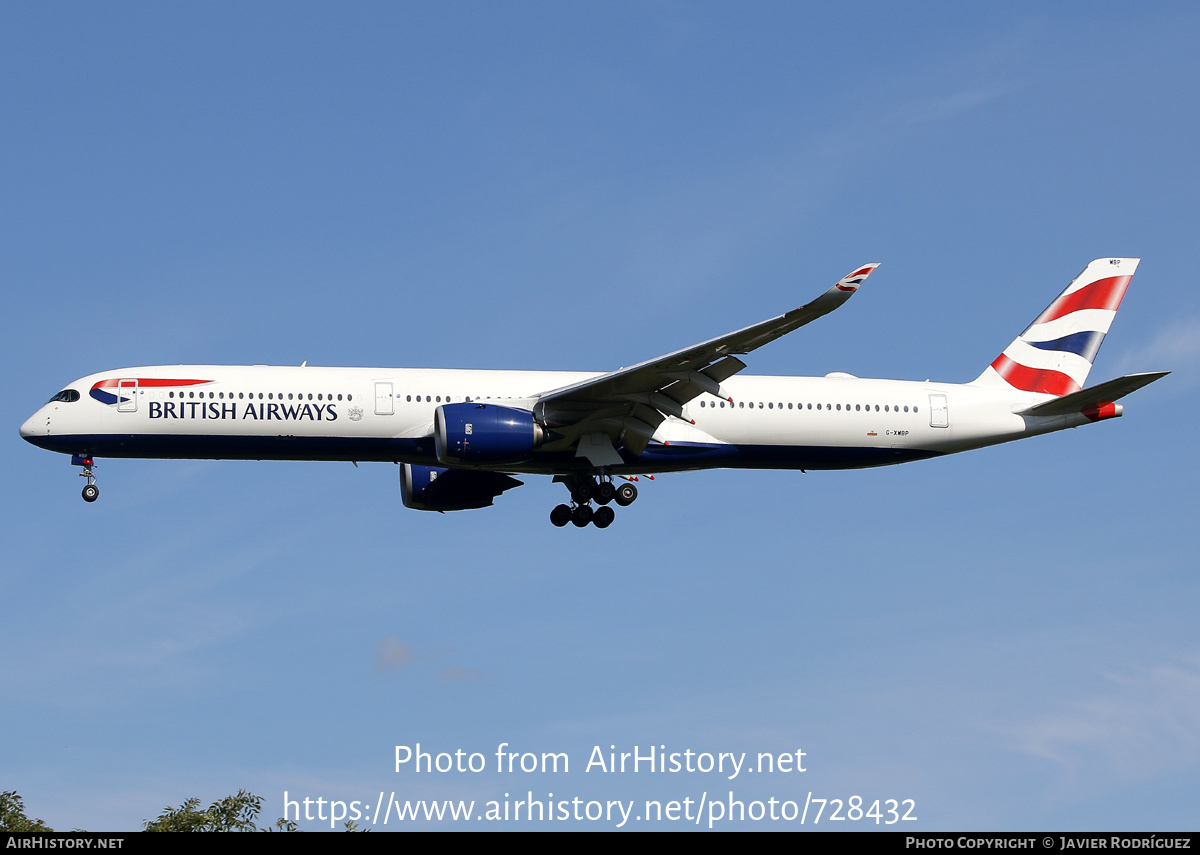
(839, 293)
(851, 282)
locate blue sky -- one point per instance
(1006, 637)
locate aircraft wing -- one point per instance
(628, 405)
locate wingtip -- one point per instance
(851, 281)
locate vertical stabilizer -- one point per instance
(1055, 353)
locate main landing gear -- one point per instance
(586, 489)
(91, 492)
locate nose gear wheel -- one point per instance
(90, 492)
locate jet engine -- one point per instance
(482, 434)
(432, 488)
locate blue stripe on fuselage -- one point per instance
(656, 458)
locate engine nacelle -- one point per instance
(432, 488)
(479, 433)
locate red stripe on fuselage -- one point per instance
(111, 384)
(1034, 379)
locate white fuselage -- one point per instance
(311, 413)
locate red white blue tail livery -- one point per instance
(1055, 353)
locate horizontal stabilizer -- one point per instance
(1095, 396)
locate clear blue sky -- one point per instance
(1007, 637)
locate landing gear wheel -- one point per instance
(582, 491)
(626, 493)
(582, 515)
(603, 517)
(561, 515)
(605, 492)
(91, 493)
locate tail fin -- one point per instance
(1055, 353)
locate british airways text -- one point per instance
(258, 412)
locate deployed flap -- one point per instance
(1094, 396)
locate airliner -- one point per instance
(460, 436)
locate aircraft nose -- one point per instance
(30, 428)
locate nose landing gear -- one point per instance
(91, 492)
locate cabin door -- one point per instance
(383, 399)
(127, 392)
(939, 411)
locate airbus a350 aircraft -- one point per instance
(459, 436)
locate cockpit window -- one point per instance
(66, 396)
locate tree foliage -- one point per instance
(12, 815)
(232, 813)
